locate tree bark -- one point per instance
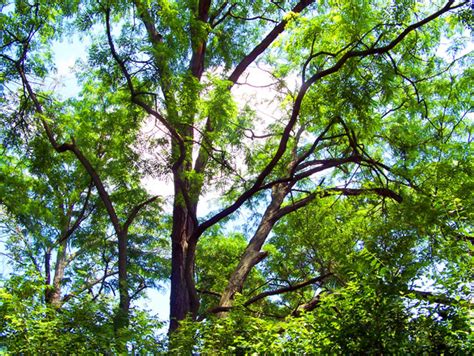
(184, 300)
(252, 254)
(53, 296)
(124, 303)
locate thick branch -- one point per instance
(199, 44)
(99, 185)
(384, 192)
(135, 96)
(75, 150)
(153, 34)
(262, 295)
(295, 206)
(306, 307)
(322, 165)
(266, 42)
(266, 171)
(299, 99)
(301, 158)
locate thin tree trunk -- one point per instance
(47, 274)
(122, 317)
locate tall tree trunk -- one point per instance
(122, 316)
(47, 274)
(54, 294)
(252, 254)
(184, 301)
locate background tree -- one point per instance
(58, 198)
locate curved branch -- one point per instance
(306, 307)
(75, 150)
(259, 17)
(383, 192)
(135, 95)
(88, 286)
(80, 217)
(262, 295)
(383, 49)
(290, 288)
(301, 94)
(135, 210)
(153, 34)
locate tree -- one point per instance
(374, 107)
(59, 209)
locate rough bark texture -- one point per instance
(184, 300)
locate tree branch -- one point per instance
(135, 96)
(265, 43)
(383, 192)
(135, 210)
(383, 49)
(199, 44)
(436, 297)
(305, 155)
(208, 292)
(306, 307)
(87, 286)
(153, 34)
(74, 149)
(262, 295)
(299, 99)
(290, 288)
(79, 218)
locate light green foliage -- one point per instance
(28, 326)
(375, 254)
(357, 327)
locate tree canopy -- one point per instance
(331, 139)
